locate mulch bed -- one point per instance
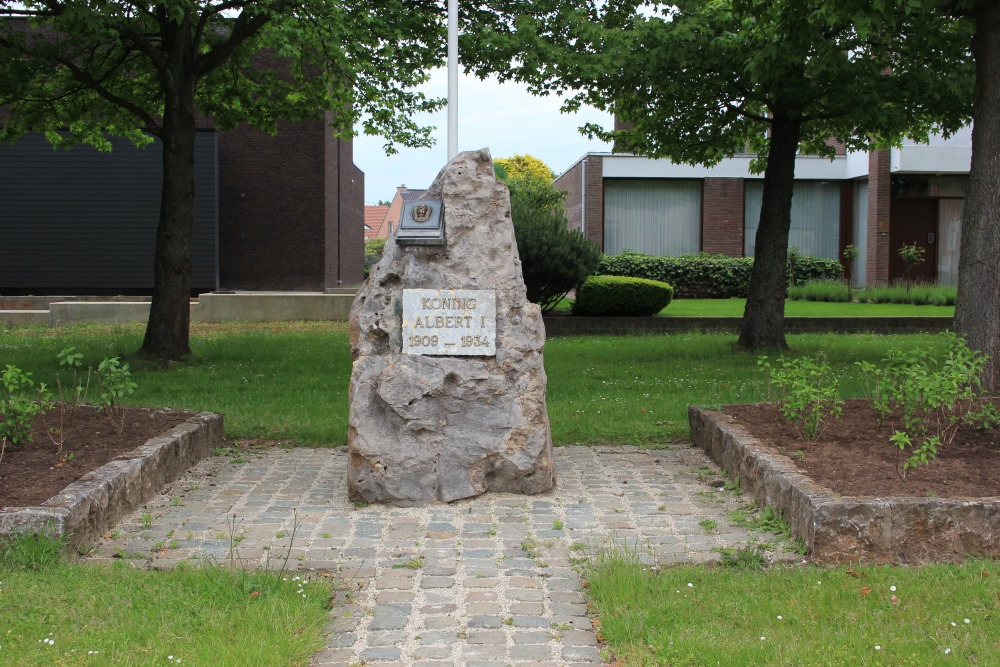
(854, 458)
(32, 474)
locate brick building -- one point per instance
(271, 213)
(877, 201)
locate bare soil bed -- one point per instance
(32, 474)
(854, 457)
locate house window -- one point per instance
(652, 216)
(815, 228)
(949, 239)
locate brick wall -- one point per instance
(592, 193)
(569, 181)
(877, 262)
(345, 239)
(722, 216)
(271, 208)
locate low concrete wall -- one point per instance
(89, 507)
(565, 325)
(24, 318)
(272, 307)
(62, 313)
(845, 529)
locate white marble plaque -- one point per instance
(450, 322)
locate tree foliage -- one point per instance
(701, 80)
(554, 259)
(526, 167)
(80, 71)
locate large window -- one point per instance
(656, 217)
(950, 239)
(815, 226)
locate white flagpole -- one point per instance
(452, 78)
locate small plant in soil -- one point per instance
(115, 384)
(928, 399)
(20, 402)
(807, 391)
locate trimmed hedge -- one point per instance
(621, 295)
(710, 276)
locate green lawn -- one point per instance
(290, 381)
(734, 308)
(57, 613)
(797, 615)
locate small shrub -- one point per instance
(20, 402)
(619, 295)
(911, 255)
(115, 384)
(930, 398)
(807, 391)
(554, 259)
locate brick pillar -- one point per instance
(879, 192)
(722, 213)
(594, 197)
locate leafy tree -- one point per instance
(79, 71)
(526, 167)
(701, 80)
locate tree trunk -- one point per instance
(977, 311)
(764, 317)
(167, 332)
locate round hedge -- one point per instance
(622, 296)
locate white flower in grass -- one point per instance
(967, 621)
(947, 651)
(953, 624)
(877, 647)
(892, 588)
(779, 617)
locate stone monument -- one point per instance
(448, 388)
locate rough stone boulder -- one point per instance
(425, 428)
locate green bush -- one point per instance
(621, 295)
(373, 252)
(554, 259)
(709, 276)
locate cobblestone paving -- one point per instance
(482, 582)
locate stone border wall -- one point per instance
(89, 507)
(843, 529)
(566, 325)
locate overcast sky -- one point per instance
(504, 118)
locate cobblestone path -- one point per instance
(482, 582)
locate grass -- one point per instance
(636, 389)
(277, 381)
(798, 615)
(76, 614)
(734, 308)
(289, 381)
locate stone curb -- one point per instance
(843, 529)
(90, 506)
